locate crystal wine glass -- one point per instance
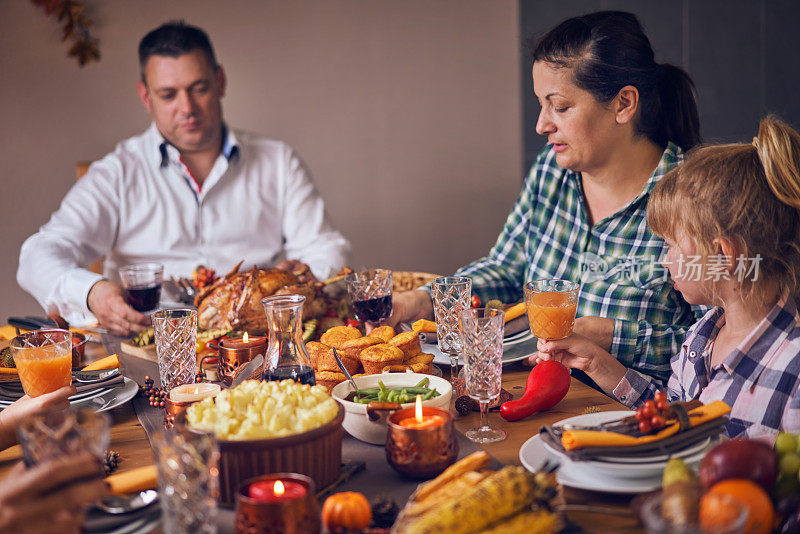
(482, 342)
(551, 307)
(451, 295)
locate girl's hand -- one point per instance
(25, 407)
(575, 351)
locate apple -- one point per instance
(740, 458)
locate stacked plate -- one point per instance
(100, 398)
(612, 474)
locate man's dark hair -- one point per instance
(174, 39)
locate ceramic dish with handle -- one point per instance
(370, 425)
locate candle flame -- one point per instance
(245, 338)
(278, 488)
(419, 408)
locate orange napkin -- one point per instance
(423, 325)
(515, 311)
(109, 362)
(8, 371)
(577, 439)
(8, 332)
(139, 479)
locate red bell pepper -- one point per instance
(547, 384)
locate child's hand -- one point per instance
(575, 351)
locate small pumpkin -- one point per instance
(348, 511)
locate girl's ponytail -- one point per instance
(778, 147)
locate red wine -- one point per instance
(143, 299)
(298, 373)
(373, 310)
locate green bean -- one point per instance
(383, 388)
(429, 395)
(423, 383)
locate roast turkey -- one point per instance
(234, 301)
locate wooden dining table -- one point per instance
(590, 511)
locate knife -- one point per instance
(31, 323)
(245, 371)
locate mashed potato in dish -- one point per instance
(260, 410)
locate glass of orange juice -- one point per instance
(44, 360)
(551, 307)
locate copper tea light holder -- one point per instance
(295, 516)
(421, 453)
(173, 408)
(231, 358)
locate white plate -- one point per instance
(533, 454)
(113, 398)
(79, 397)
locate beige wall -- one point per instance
(407, 113)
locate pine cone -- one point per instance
(464, 405)
(384, 511)
(110, 462)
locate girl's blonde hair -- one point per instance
(747, 193)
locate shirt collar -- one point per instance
(746, 362)
(230, 145)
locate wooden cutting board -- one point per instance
(147, 352)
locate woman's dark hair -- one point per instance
(608, 50)
(174, 39)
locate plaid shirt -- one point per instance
(548, 235)
(758, 380)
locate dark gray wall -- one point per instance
(743, 55)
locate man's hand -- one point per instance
(600, 330)
(107, 302)
(408, 306)
(51, 496)
(25, 407)
(299, 269)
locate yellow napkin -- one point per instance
(423, 325)
(8, 332)
(577, 439)
(8, 371)
(140, 479)
(109, 362)
(516, 311)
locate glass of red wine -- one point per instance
(142, 284)
(370, 294)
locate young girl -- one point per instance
(731, 217)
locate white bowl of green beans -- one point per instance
(356, 421)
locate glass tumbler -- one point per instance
(142, 284)
(63, 432)
(188, 480)
(43, 359)
(370, 294)
(176, 346)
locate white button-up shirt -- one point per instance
(139, 203)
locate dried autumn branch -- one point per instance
(85, 48)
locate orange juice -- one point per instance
(43, 369)
(551, 313)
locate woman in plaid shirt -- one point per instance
(735, 209)
(616, 121)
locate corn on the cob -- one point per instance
(207, 335)
(540, 521)
(499, 495)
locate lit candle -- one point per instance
(420, 421)
(245, 342)
(193, 392)
(278, 491)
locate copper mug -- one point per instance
(421, 452)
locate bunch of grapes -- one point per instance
(653, 414)
(787, 488)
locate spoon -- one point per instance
(345, 371)
(119, 504)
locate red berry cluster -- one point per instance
(652, 415)
(156, 396)
(203, 277)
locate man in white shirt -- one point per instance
(188, 191)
